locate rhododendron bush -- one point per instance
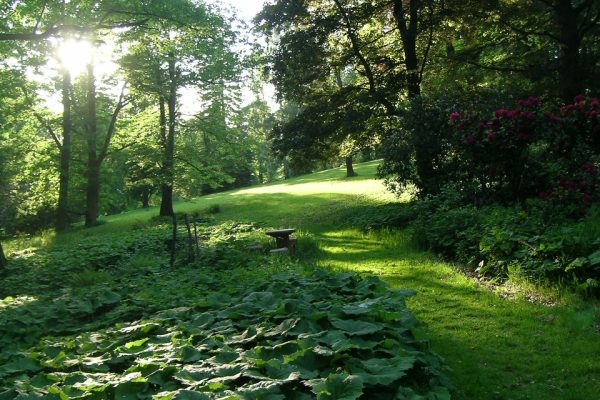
(531, 150)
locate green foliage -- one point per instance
(196, 332)
(422, 154)
(542, 242)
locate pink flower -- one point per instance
(492, 136)
(544, 195)
(513, 113)
(579, 98)
(594, 102)
(501, 112)
(587, 197)
(566, 108)
(530, 101)
(562, 181)
(552, 117)
(527, 114)
(470, 139)
(454, 117)
(588, 166)
(592, 114)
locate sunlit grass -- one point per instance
(496, 347)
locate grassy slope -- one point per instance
(497, 348)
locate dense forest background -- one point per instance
(429, 86)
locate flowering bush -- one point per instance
(527, 151)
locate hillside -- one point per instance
(98, 313)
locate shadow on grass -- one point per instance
(497, 348)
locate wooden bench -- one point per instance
(284, 241)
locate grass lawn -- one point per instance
(496, 347)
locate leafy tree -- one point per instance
(550, 46)
(256, 120)
(192, 48)
(346, 64)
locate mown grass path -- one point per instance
(495, 347)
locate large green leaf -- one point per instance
(387, 370)
(356, 327)
(337, 387)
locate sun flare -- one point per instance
(75, 55)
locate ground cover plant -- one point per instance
(500, 342)
(124, 325)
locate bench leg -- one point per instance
(292, 246)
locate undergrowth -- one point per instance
(106, 317)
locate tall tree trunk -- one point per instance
(93, 163)
(62, 212)
(166, 204)
(408, 33)
(3, 261)
(286, 169)
(349, 168)
(571, 77)
(146, 198)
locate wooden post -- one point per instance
(197, 239)
(190, 244)
(173, 242)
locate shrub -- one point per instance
(420, 153)
(527, 151)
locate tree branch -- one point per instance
(363, 61)
(429, 43)
(39, 20)
(113, 121)
(45, 124)
(66, 28)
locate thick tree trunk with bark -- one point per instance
(408, 33)
(571, 76)
(93, 163)
(146, 198)
(3, 261)
(62, 212)
(349, 168)
(166, 204)
(96, 155)
(92, 193)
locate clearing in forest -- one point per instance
(97, 313)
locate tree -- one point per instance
(40, 20)
(256, 120)
(359, 57)
(549, 46)
(191, 50)
(96, 155)
(37, 21)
